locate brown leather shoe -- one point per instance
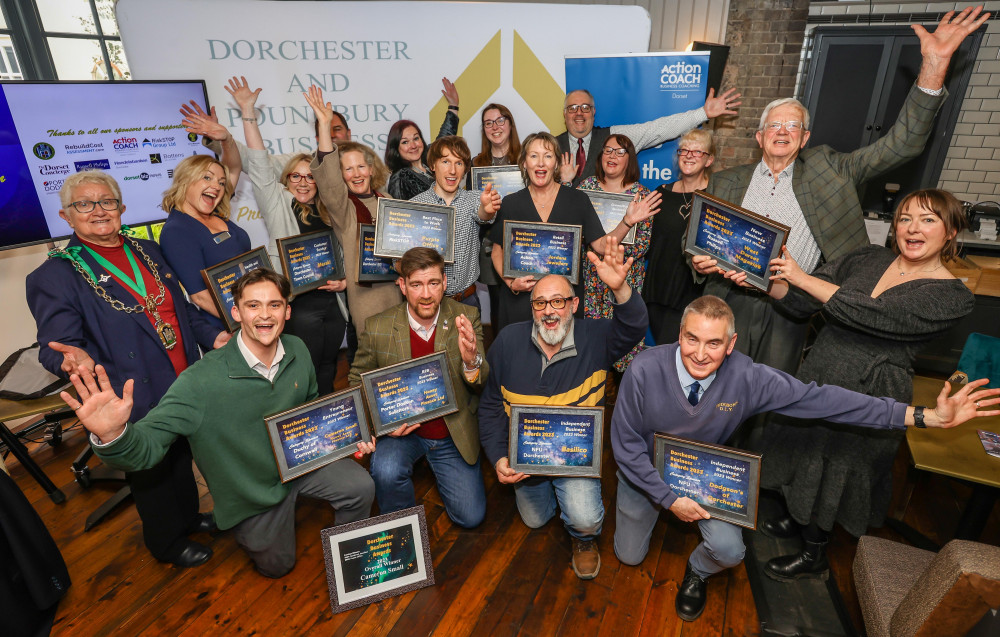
(586, 559)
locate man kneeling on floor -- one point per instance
(701, 389)
(556, 360)
(219, 404)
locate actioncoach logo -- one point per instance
(43, 150)
(76, 149)
(53, 169)
(680, 76)
(92, 164)
(126, 144)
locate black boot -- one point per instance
(781, 528)
(809, 562)
(690, 601)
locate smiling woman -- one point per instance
(198, 233)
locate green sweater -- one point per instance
(219, 405)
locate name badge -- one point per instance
(222, 236)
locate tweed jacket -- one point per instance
(826, 182)
(386, 341)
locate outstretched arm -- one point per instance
(246, 99)
(613, 268)
(99, 409)
(324, 115)
(952, 411)
(197, 121)
(938, 47)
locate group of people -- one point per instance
(114, 318)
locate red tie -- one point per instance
(581, 158)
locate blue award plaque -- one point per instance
(410, 392)
(537, 249)
(220, 278)
(723, 480)
(372, 269)
(505, 179)
(401, 225)
(373, 559)
(737, 238)
(317, 433)
(611, 208)
(556, 441)
(309, 260)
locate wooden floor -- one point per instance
(499, 579)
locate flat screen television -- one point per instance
(49, 130)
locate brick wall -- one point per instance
(765, 37)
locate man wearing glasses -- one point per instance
(815, 191)
(557, 360)
(581, 144)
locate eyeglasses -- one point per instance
(791, 126)
(557, 303)
(297, 177)
(88, 206)
(498, 122)
(579, 108)
(687, 152)
(621, 152)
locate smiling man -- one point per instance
(700, 389)
(557, 360)
(219, 405)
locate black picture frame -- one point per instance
(544, 432)
(377, 558)
(310, 259)
(701, 470)
(390, 408)
(611, 208)
(506, 179)
(297, 434)
(734, 235)
(372, 269)
(528, 256)
(219, 280)
(401, 225)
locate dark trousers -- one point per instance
(317, 320)
(166, 498)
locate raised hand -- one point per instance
(613, 268)
(449, 91)
(567, 168)
(199, 122)
(323, 110)
(952, 411)
(505, 474)
(724, 104)
(99, 409)
(938, 47)
(194, 108)
(244, 97)
(642, 208)
(75, 360)
(688, 510)
(490, 200)
(466, 340)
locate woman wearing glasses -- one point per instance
(198, 233)
(618, 171)
(290, 205)
(669, 284)
(500, 144)
(111, 300)
(406, 151)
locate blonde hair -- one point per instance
(303, 210)
(378, 170)
(703, 137)
(185, 174)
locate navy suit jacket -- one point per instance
(68, 310)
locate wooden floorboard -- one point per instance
(501, 578)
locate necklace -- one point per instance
(541, 202)
(901, 273)
(685, 208)
(163, 329)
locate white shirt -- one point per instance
(254, 363)
(425, 333)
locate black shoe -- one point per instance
(690, 601)
(194, 554)
(204, 523)
(809, 562)
(781, 528)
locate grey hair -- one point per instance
(782, 102)
(580, 90)
(88, 177)
(714, 308)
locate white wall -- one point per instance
(16, 325)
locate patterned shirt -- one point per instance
(465, 270)
(776, 200)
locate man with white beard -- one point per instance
(556, 360)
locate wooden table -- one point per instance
(16, 409)
(957, 453)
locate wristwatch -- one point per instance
(476, 364)
(918, 417)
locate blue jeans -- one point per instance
(721, 546)
(459, 483)
(579, 501)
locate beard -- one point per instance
(554, 336)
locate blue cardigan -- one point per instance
(69, 311)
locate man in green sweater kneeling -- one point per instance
(219, 404)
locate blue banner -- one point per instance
(631, 89)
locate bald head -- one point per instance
(552, 285)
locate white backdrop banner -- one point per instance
(377, 62)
